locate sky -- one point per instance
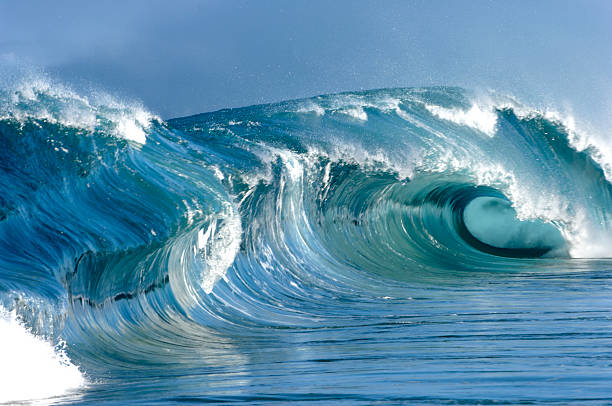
(185, 57)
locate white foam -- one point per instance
(366, 157)
(351, 105)
(39, 98)
(356, 112)
(292, 164)
(311, 107)
(218, 245)
(483, 119)
(31, 367)
(354, 105)
(585, 241)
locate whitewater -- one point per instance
(415, 245)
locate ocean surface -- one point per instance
(417, 246)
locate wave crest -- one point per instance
(40, 98)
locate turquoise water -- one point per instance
(395, 245)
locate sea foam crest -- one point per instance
(478, 117)
(31, 367)
(351, 105)
(40, 98)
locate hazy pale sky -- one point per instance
(186, 57)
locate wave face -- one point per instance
(415, 245)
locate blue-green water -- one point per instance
(388, 246)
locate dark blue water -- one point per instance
(388, 246)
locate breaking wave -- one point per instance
(122, 235)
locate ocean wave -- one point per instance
(152, 234)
